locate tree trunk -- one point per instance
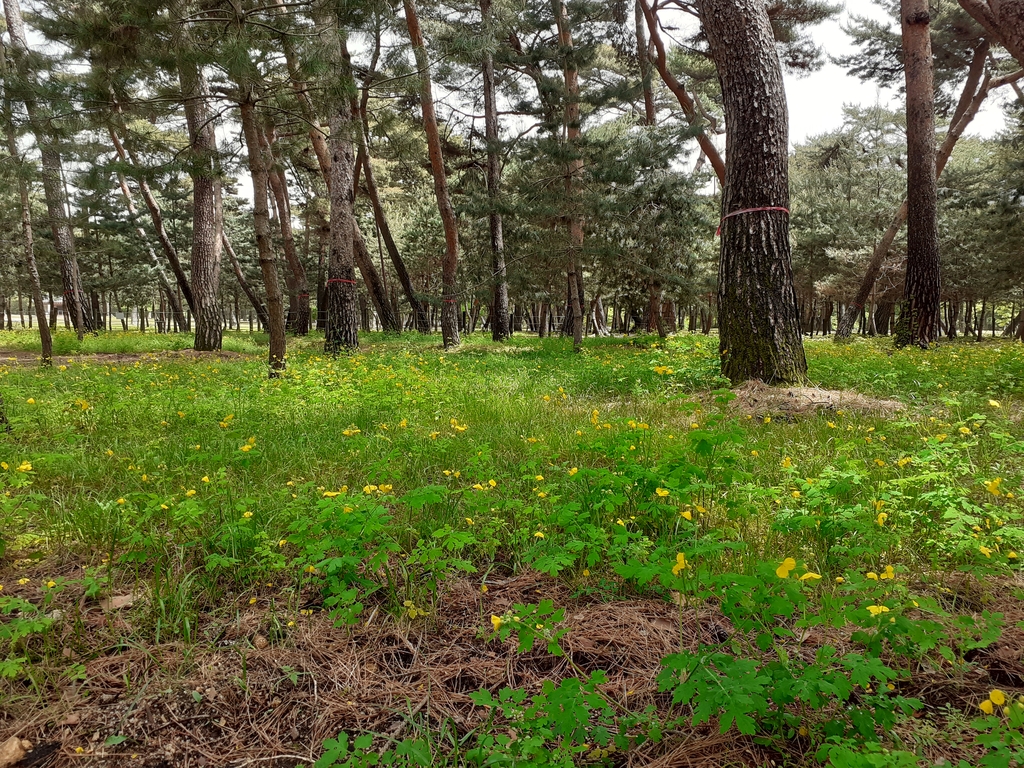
(644, 60)
(920, 306)
(499, 299)
(971, 99)
(450, 263)
(374, 285)
(279, 186)
(693, 117)
(261, 221)
(204, 168)
(53, 176)
(254, 299)
(133, 215)
(574, 169)
(759, 329)
(1003, 20)
(28, 247)
(422, 321)
(342, 309)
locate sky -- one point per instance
(816, 101)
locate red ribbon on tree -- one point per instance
(339, 280)
(718, 232)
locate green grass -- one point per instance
(198, 479)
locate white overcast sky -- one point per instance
(816, 100)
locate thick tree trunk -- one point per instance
(342, 309)
(27, 243)
(574, 169)
(53, 177)
(920, 306)
(685, 101)
(204, 168)
(499, 297)
(759, 329)
(261, 221)
(450, 262)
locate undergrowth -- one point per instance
(624, 470)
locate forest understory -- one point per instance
(510, 555)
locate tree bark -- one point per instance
(919, 309)
(261, 221)
(342, 322)
(450, 262)
(52, 175)
(500, 329)
(204, 169)
(1003, 20)
(759, 329)
(574, 169)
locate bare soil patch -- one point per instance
(758, 399)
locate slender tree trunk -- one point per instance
(254, 299)
(204, 168)
(261, 218)
(574, 169)
(422, 321)
(644, 60)
(54, 190)
(688, 105)
(28, 247)
(759, 329)
(920, 306)
(316, 133)
(450, 262)
(133, 215)
(128, 157)
(279, 186)
(499, 298)
(374, 285)
(971, 99)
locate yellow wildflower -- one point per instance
(785, 567)
(874, 610)
(661, 492)
(680, 564)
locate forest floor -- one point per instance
(509, 555)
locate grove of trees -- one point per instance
(559, 167)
